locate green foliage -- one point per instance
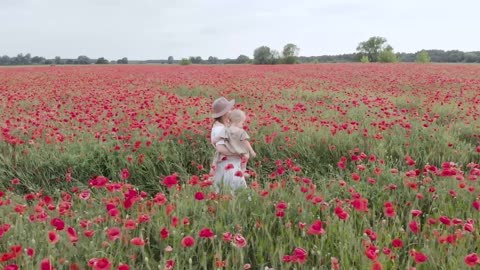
(82, 60)
(170, 60)
(185, 62)
(387, 56)
(101, 61)
(290, 60)
(212, 60)
(290, 53)
(372, 48)
(265, 56)
(290, 50)
(242, 59)
(58, 60)
(196, 59)
(364, 59)
(262, 56)
(124, 60)
(423, 57)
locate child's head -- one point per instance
(237, 116)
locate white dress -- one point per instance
(226, 169)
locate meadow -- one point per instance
(359, 166)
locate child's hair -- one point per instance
(237, 116)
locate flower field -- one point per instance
(359, 166)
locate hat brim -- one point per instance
(230, 105)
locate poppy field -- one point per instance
(359, 166)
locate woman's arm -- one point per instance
(222, 149)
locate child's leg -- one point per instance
(243, 166)
(213, 166)
(243, 163)
(212, 170)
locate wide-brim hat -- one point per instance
(221, 106)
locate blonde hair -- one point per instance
(236, 116)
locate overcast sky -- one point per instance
(155, 29)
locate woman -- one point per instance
(226, 166)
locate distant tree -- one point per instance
(48, 62)
(101, 61)
(437, 56)
(5, 60)
(290, 53)
(69, 62)
(423, 57)
(406, 57)
(242, 59)
(170, 60)
(185, 61)
(58, 60)
(124, 60)
(472, 57)
(196, 60)
(387, 55)
(364, 59)
(38, 60)
(262, 56)
(276, 59)
(20, 59)
(212, 60)
(455, 56)
(82, 60)
(372, 48)
(27, 59)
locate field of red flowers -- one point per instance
(359, 166)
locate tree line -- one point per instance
(375, 49)
(27, 59)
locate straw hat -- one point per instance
(221, 106)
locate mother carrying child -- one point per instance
(231, 145)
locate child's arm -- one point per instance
(222, 149)
(244, 139)
(249, 147)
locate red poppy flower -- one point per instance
(413, 225)
(170, 181)
(53, 237)
(188, 241)
(397, 243)
(164, 233)
(123, 267)
(239, 240)
(46, 265)
(58, 223)
(199, 196)
(472, 259)
(206, 233)
(113, 233)
(316, 228)
(137, 241)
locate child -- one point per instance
(236, 139)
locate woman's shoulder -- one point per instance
(217, 127)
(217, 130)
